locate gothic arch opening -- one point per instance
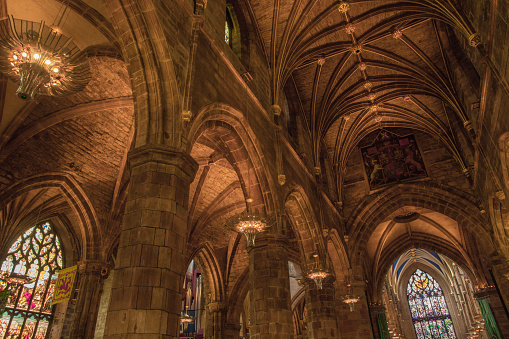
(428, 295)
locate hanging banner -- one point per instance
(489, 320)
(4, 297)
(63, 286)
(383, 327)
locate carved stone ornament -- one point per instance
(281, 179)
(368, 85)
(186, 115)
(397, 34)
(343, 7)
(276, 110)
(350, 28)
(474, 40)
(356, 49)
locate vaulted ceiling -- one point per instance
(352, 67)
(348, 68)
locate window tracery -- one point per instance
(37, 254)
(430, 314)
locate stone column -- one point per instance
(501, 275)
(271, 313)
(147, 281)
(321, 309)
(91, 275)
(216, 313)
(232, 331)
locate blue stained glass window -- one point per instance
(226, 32)
(429, 310)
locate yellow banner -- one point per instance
(63, 286)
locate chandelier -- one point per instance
(248, 223)
(186, 318)
(350, 299)
(41, 59)
(317, 273)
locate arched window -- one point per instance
(430, 314)
(37, 254)
(228, 28)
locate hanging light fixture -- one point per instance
(350, 298)
(186, 318)
(317, 273)
(248, 223)
(41, 59)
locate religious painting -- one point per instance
(392, 159)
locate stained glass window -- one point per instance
(430, 313)
(36, 254)
(226, 32)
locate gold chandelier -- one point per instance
(186, 318)
(350, 299)
(317, 273)
(248, 223)
(41, 59)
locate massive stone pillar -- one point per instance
(90, 281)
(232, 331)
(147, 281)
(321, 309)
(271, 314)
(216, 320)
(501, 276)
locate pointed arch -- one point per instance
(145, 48)
(242, 145)
(338, 255)
(90, 235)
(306, 226)
(209, 266)
(376, 208)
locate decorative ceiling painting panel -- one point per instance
(392, 159)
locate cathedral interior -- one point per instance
(265, 169)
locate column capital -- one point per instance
(163, 155)
(375, 307)
(218, 306)
(94, 267)
(485, 292)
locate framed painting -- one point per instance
(391, 158)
